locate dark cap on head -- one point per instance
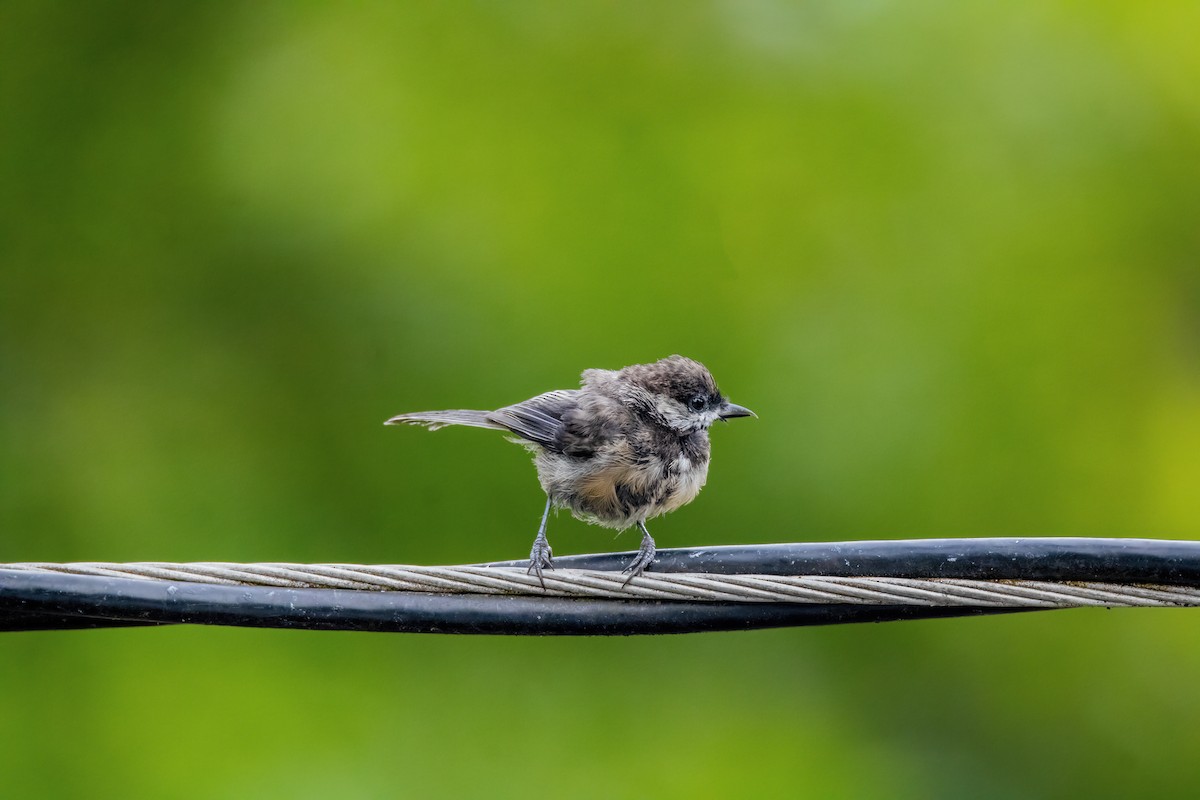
(675, 376)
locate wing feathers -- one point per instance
(538, 419)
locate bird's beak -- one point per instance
(731, 410)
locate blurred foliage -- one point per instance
(948, 252)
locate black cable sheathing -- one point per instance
(49, 600)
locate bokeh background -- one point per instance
(947, 251)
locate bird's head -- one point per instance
(678, 393)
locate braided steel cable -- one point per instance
(576, 583)
(697, 589)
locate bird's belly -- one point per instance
(619, 495)
(684, 488)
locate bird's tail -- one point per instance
(440, 419)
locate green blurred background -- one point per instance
(948, 252)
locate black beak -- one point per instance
(731, 410)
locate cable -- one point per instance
(697, 589)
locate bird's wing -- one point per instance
(538, 419)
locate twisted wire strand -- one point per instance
(693, 587)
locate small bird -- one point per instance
(627, 446)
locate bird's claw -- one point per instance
(540, 557)
(644, 559)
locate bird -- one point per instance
(627, 446)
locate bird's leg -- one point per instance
(541, 556)
(644, 557)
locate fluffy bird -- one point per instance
(627, 446)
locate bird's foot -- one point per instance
(540, 557)
(640, 562)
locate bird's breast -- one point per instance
(684, 479)
(629, 479)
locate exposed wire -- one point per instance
(698, 589)
(577, 583)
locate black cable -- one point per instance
(47, 601)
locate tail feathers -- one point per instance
(440, 419)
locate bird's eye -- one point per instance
(698, 402)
